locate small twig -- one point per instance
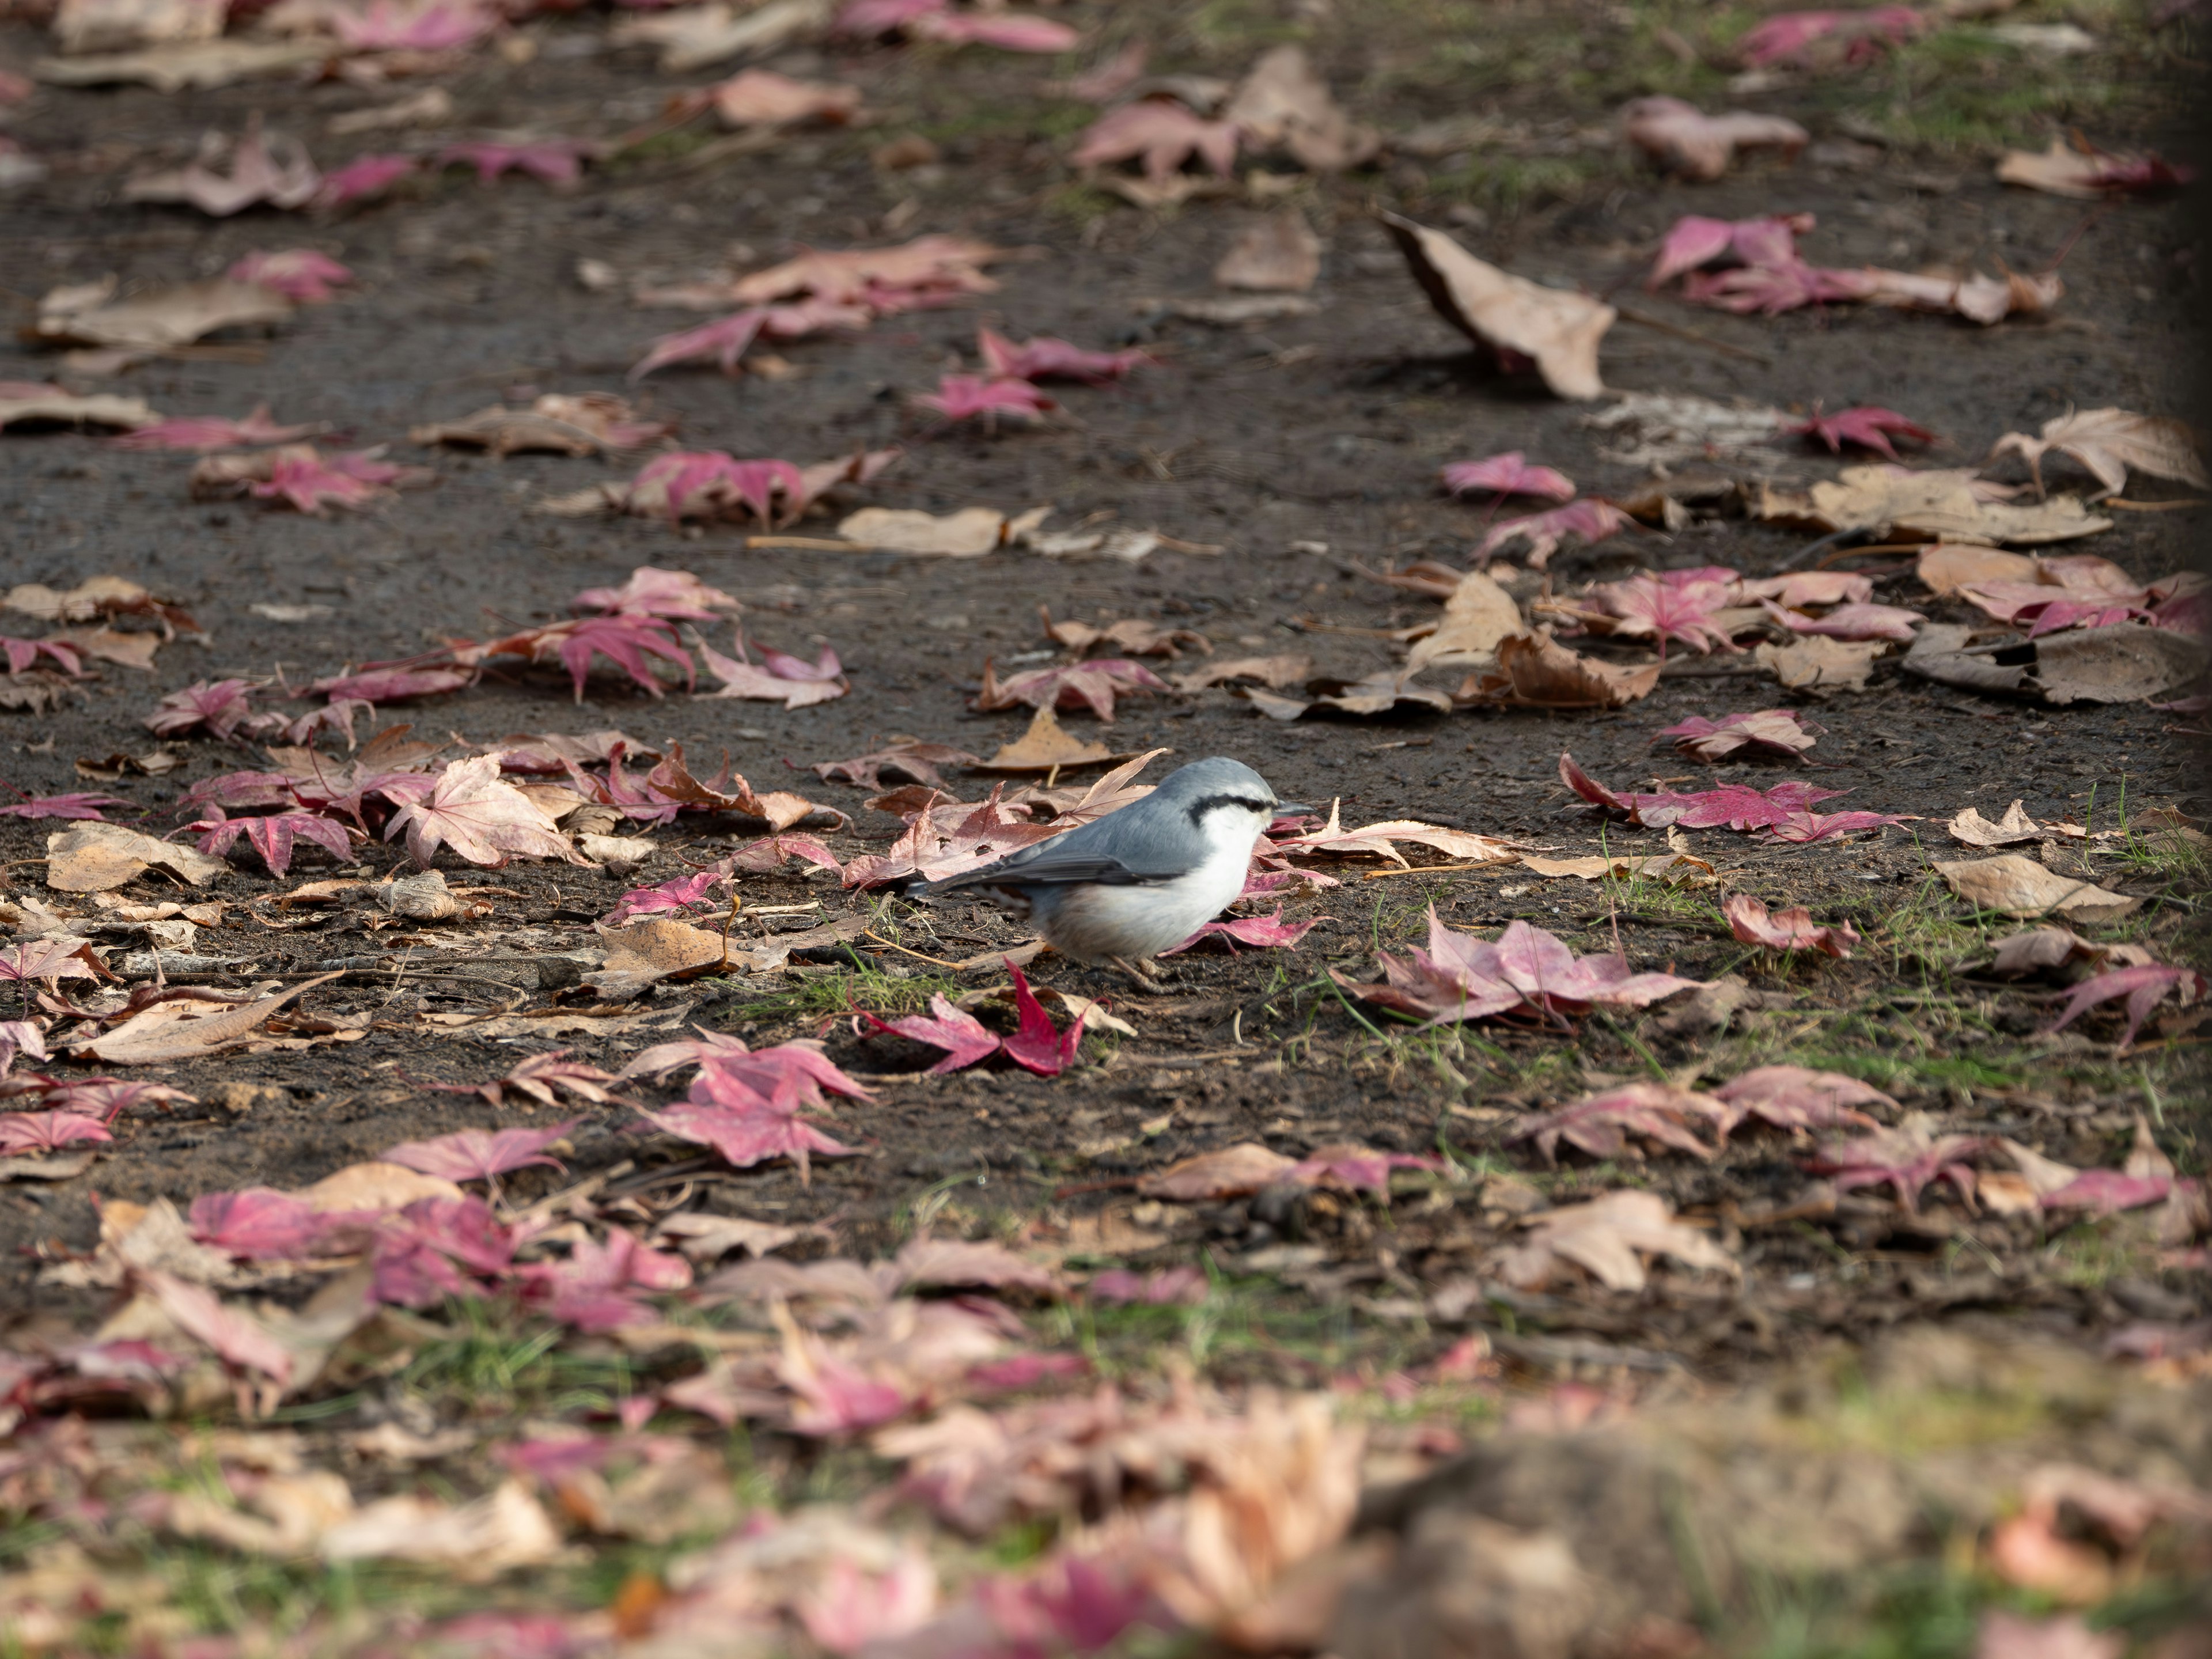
(887, 945)
(2126, 505)
(1424, 870)
(1692, 335)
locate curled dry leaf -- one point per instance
(1508, 474)
(2109, 441)
(1608, 1238)
(93, 858)
(2015, 885)
(1047, 746)
(1793, 929)
(1908, 1158)
(1601, 1124)
(170, 1031)
(1768, 733)
(270, 170)
(2081, 170)
(1479, 616)
(31, 403)
(1524, 325)
(1535, 671)
(591, 423)
(1682, 137)
(1281, 254)
(1161, 135)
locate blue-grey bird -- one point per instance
(1122, 888)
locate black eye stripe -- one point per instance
(1197, 809)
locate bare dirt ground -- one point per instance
(1938, 1353)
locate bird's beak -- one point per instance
(1290, 809)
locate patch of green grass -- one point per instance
(1081, 204)
(1506, 185)
(1223, 28)
(1965, 89)
(496, 1362)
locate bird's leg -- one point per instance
(1137, 971)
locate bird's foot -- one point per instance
(1145, 972)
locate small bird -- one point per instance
(1124, 887)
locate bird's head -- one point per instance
(1223, 799)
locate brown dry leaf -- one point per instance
(1671, 866)
(762, 98)
(85, 314)
(2121, 664)
(1518, 320)
(49, 405)
(86, 26)
(1939, 503)
(146, 1237)
(1289, 669)
(2016, 885)
(968, 534)
(112, 645)
(1947, 567)
(91, 857)
(651, 951)
(472, 1542)
(1685, 139)
(265, 169)
(2039, 948)
(187, 1030)
(2108, 441)
(1535, 671)
(1971, 829)
(375, 1187)
(1282, 102)
(1232, 1172)
(698, 37)
(295, 1509)
(1046, 746)
(2066, 169)
(1477, 617)
(1815, 661)
(702, 1238)
(1607, 1237)
(200, 65)
(1132, 637)
(591, 423)
(1281, 254)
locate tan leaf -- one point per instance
(1672, 866)
(1284, 102)
(968, 534)
(1046, 745)
(1973, 829)
(2016, 885)
(92, 857)
(1537, 671)
(375, 1187)
(696, 37)
(2108, 441)
(1607, 1237)
(1697, 145)
(1559, 329)
(86, 26)
(1281, 254)
(23, 403)
(157, 321)
(200, 64)
(265, 169)
(1232, 1172)
(472, 1542)
(1813, 659)
(1289, 669)
(112, 645)
(1477, 617)
(1949, 566)
(184, 1030)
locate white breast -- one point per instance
(1092, 923)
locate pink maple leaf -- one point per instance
(437, 26)
(106, 1096)
(1508, 475)
(789, 1074)
(230, 790)
(624, 640)
(46, 958)
(363, 179)
(778, 678)
(1259, 932)
(1852, 622)
(1092, 684)
(770, 853)
(948, 839)
(1867, 426)
(1906, 1159)
(1007, 31)
(300, 274)
(47, 1132)
(204, 434)
(1460, 977)
(965, 397)
(1354, 1167)
(867, 19)
(727, 339)
(1797, 1098)
(310, 481)
(1048, 359)
(1663, 609)
(677, 895)
(2109, 1191)
(22, 653)
(273, 836)
(1601, 1124)
(833, 1397)
(1036, 1046)
(1788, 36)
(2144, 988)
(258, 1224)
(418, 1256)
(218, 705)
(851, 1609)
(22, 1037)
(1162, 135)
(1778, 733)
(704, 484)
(236, 1339)
(1751, 921)
(748, 1135)
(1694, 241)
(1801, 828)
(594, 1289)
(965, 1039)
(81, 804)
(480, 1154)
(557, 161)
(1590, 520)
(391, 684)
(482, 819)
(672, 595)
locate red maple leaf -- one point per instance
(1788, 36)
(310, 481)
(81, 804)
(1508, 475)
(1778, 733)
(1796, 1097)
(218, 705)
(362, 177)
(965, 1039)
(965, 397)
(22, 653)
(1264, 932)
(392, 684)
(1091, 684)
(558, 161)
(1590, 520)
(1751, 921)
(273, 836)
(1045, 358)
(480, 1154)
(1601, 1124)
(1867, 426)
(1908, 1158)
(47, 1132)
(1694, 241)
(259, 1223)
(673, 595)
(727, 339)
(542, 1079)
(750, 1135)
(1528, 971)
(300, 275)
(2144, 988)
(1680, 605)
(202, 434)
(678, 895)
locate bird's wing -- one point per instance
(1048, 864)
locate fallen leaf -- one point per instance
(1599, 867)
(1093, 684)
(95, 858)
(591, 423)
(158, 320)
(1535, 671)
(556, 161)
(1795, 1098)
(1046, 746)
(2144, 986)
(170, 1031)
(1693, 605)
(2015, 885)
(1554, 330)
(967, 534)
(1906, 1157)
(1818, 662)
(174, 68)
(482, 1154)
(695, 37)
(1867, 426)
(204, 434)
(1973, 829)
(95, 26)
(1233, 1172)
(1281, 254)
(301, 274)
(1683, 138)
(270, 170)
(31, 403)
(1750, 921)
(1276, 672)
(2109, 441)
(1260, 932)
(1769, 732)
(1508, 474)
(1048, 359)
(479, 818)
(1477, 618)
(778, 678)
(1161, 135)
(1939, 503)
(762, 98)
(2088, 173)
(1282, 102)
(1589, 521)
(2005, 1634)
(472, 1542)
(1601, 1124)
(1526, 972)
(364, 179)
(1609, 1238)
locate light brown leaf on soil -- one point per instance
(1949, 566)
(1608, 1237)
(1555, 329)
(265, 170)
(375, 1186)
(1939, 503)
(591, 423)
(1232, 1172)
(1815, 660)
(2016, 885)
(2108, 442)
(1284, 102)
(197, 64)
(2039, 948)
(2126, 664)
(1281, 254)
(23, 404)
(968, 534)
(472, 1542)
(1534, 672)
(91, 26)
(1045, 747)
(1685, 139)
(1668, 866)
(170, 1031)
(1289, 669)
(92, 857)
(1971, 829)
(1477, 618)
(87, 314)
